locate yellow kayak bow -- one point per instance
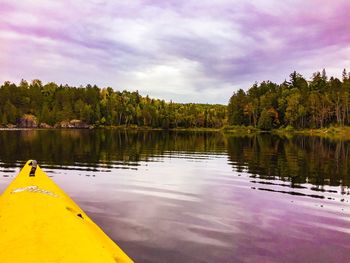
(40, 223)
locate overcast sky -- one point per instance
(180, 50)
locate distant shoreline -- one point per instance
(335, 133)
(128, 128)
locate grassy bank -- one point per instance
(336, 133)
(237, 129)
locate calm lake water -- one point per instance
(199, 197)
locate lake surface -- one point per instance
(199, 197)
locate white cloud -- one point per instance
(180, 50)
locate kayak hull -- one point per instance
(41, 223)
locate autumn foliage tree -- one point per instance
(51, 103)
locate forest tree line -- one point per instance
(51, 104)
(296, 103)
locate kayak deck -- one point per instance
(40, 223)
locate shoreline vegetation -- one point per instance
(316, 107)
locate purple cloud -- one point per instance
(179, 50)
